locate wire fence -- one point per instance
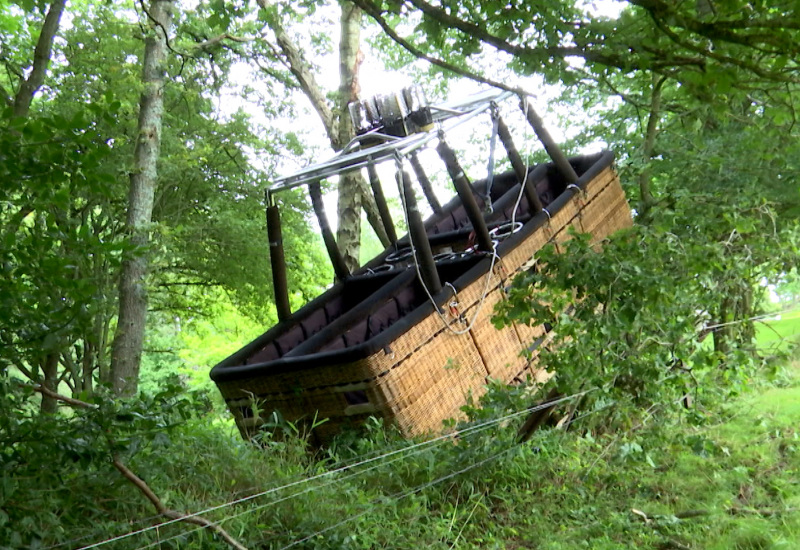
(386, 499)
(403, 452)
(373, 461)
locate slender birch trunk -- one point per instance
(354, 193)
(348, 232)
(126, 353)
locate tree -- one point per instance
(353, 192)
(126, 354)
(699, 43)
(63, 208)
(687, 74)
(19, 107)
(29, 85)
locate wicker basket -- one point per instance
(421, 372)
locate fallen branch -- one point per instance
(735, 511)
(172, 514)
(763, 512)
(139, 482)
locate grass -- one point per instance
(779, 334)
(735, 484)
(732, 482)
(726, 477)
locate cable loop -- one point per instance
(581, 195)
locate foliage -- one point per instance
(55, 252)
(626, 320)
(480, 491)
(696, 98)
(702, 45)
(48, 460)
(66, 167)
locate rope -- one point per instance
(398, 159)
(447, 324)
(466, 432)
(91, 535)
(524, 181)
(755, 318)
(400, 496)
(492, 145)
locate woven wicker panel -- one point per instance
(432, 385)
(499, 349)
(598, 184)
(518, 257)
(381, 363)
(528, 334)
(568, 216)
(607, 212)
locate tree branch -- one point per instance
(649, 143)
(478, 31)
(215, 41)
(724, 59)
(172, 514)
(160, 25)
(722, 31)
(373, 12)
(302, 72)
(41, 59)
(63, 398)
(139, 482)
(6, 96)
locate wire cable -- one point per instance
(400, 496)
(441, 438)
(524, 181)
(760, 317)
(403, 494)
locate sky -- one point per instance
(374, 79)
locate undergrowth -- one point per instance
(729, 480)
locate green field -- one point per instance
(779, 334)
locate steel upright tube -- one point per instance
(278, 261)
(339, 267)
(550, 146)
(425, 183)
(519, 166)
(464, 190)
(419, 238)
(380, 201)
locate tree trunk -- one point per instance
(348, 234)
(50, 371)
(722, 334)
(354, 193)
(126, 352)
(370, 206)
(41, 60)
(645, 193)
(87, 368)
(744, 312)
